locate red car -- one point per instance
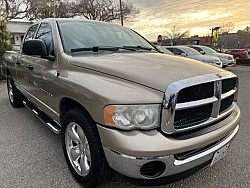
(238, 53)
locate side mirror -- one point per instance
(35, 47)
(183, 54)
(202, 52)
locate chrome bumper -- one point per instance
(130, 166)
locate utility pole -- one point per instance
(121, 12)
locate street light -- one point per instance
(213, 29)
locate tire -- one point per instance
(83, 149)
(15, 96)
(224, 66)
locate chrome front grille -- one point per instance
(186, 118)
(196, 92)
(198, 101)
(226, 103)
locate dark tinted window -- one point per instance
(171, 49)
(44, 33)
(177, 51)
(197, 48)
(31, 33)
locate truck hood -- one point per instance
(153, 70)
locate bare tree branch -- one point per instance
(175, 34)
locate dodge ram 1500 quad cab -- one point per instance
(120, 104)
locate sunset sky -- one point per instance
(199, 16)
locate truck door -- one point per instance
(42, 72)
(21, 61)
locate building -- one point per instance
(205, 41)
(239, 40)
(17, 29)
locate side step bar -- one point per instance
(52, 125)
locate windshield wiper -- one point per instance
(95, 49)
(138, 47)
(111, 48)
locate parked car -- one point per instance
(163, 50)
(188, 52)
(238, 53)
(226, 59)
(119, 104)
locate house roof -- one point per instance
(18, 26)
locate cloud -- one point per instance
(157, 16)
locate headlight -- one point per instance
(129, 117)
(218, 62)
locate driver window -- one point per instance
(178, 51)
(44, 33)
(198, 49)
(30, 34)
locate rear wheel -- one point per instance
(15, 97)
(83, 149)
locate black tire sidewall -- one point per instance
(17, 98)
(96, 151)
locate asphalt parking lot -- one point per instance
(31, 155)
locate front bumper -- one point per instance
(226, 62)
(130, 166)
(128, 151)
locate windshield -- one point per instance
(87, 34)
(191, 51)
(164, 50)
(208, 50)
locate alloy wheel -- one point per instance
(77, 148)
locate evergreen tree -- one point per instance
(4, 39)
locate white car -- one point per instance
(163, 50)
(227, 59)
(193, 54)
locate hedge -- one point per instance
(243, 61)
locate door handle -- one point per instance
(30, 67)
(18, 63)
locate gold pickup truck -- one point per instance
(119, 104)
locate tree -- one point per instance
(14, 9)
(226, 27)
(102, 10)
(224, 31)
(4, 38)
(175, 34)
(247, 29)
(40, 9)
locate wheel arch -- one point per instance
(6, 71)
(67, 104)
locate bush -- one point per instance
(4, 41)
(243, 61)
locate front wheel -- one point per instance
(83, 149)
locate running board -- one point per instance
(52, 125)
